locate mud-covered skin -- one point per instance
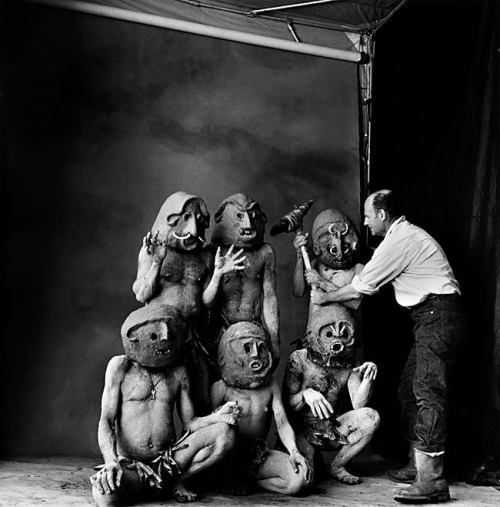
(311, 392)
(250, 294)
(278, 471)
(335, 245)
(137, 423)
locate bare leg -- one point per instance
(306, 449)
(204, 448)
(130, 487)
(276, 474)
(359, 426)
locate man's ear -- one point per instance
(382, 214)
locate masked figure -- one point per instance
(142, 454)
(245, 363)
(174, 268)
(314, 379)
(248, 294)
(335, 245)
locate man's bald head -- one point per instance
(381, 209)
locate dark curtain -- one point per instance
(436, 138)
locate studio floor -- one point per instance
(63, 481)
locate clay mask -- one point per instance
(182, 221)
(239, 221)
(153, 335)
(244, 356)
(335, 239)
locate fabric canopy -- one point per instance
(328, 28)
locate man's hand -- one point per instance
(300, 241)
(319, 405)
(367, 371)
(108, 478)
(229, 413)
(297, 460)
(229, 262)
(318, 296)
(154, 247)
(313, 278)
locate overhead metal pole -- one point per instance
(200, 29)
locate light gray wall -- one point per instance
(104, 120)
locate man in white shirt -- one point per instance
(423, 282)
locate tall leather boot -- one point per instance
(408, 473)
(430, 485)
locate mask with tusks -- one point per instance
(330, 336)
(153, 335)
(335, 239)
(182, 221)
(239, 221)
(244, 356)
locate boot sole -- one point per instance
(438, 497)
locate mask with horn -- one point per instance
(335, 239)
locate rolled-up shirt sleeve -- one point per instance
(389, 260)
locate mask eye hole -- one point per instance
(239, 216)
(246, 347)
(260, 348)
(329, 334)
(153, 336)
(186, 216)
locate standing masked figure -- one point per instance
(335, 246)
(174, 268)
(314, 379)
(246, 366)
(248, 294)
(141, 451)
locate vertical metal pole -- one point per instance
(365, 74)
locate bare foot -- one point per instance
(182, 494)
(342, 475)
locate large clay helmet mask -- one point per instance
(239, 221)
(153, 335)
(330, 336)
(335, 239)
(244, 356)
(182, 221)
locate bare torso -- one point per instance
(144, 424)
(256, 407)
(241, 292)
(181, 280)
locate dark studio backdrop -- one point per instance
(102, 120)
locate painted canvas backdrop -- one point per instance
(103, 120)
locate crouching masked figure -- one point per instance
(142, 454)
(246, 365)
(314, 379)
(174, 268)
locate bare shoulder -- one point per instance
(297, 358)
(267, 251)
(178, 373)
(118, 366)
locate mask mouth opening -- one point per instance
(337, 348)
(247, 232)
(256, 365)
(163, 352)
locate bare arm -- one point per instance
(299, 283)
(346, 293)
(151, 256)
(222, 264)
(109, 477)
(270, 309)
(360, 384)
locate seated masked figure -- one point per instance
(314, 380)
(141, 451)
(247, 294)
(174, 268)
(245, 363)
(335, 245)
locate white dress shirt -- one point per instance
(412, 260)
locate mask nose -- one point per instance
(254, 353)
(246, 223)
(191, 227)
(163, 331)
